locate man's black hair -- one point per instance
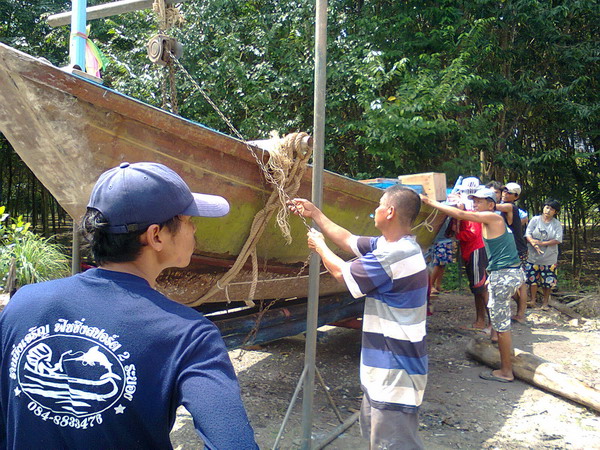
(406, 201)
(553, 203)
(116, 248)
(494, 185)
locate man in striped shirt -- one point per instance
(391, 272)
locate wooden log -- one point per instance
(577, 302)
(538, 372)
(106, 10)
(565, 309)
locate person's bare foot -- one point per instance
(478, 324)
(521, 319)
(545, 308)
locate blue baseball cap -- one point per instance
(134, 196)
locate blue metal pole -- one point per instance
(78, 23)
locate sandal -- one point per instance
(489, 376)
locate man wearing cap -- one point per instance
(472, 251)
(510, 214)
(102, 359)
(505, 274)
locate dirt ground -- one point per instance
(460, 410)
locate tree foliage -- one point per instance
(507, 89)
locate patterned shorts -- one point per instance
(502, 286)
(442, 253)
(523, 258)
(544, 276)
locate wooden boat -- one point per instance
(69, 130)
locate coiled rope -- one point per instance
(286, 167)
(168, 15)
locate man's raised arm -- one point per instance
(332, 231)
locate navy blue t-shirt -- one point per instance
(102, 360)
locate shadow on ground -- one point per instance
(460, 410)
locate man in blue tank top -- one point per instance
(503, 266)
(102, 360)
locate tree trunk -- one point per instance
(44, 211)
(53, 208)
(34, 205)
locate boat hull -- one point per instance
(69, 130)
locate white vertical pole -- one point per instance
(77, 43)
(317, 199)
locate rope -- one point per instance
(168, 95)
(80, 34)
(298, 276)
(171, 75)
(168, 15)
(427, 223)
(285, 181)
(286, 168)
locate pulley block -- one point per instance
(162, 49)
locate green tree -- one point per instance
(505, 88)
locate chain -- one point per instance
(235, 131)
(256, 326)
(304, 266)
(174, 107)
(281, 191)
(163, 88)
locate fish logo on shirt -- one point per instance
(69, 374)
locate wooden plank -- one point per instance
(106, 10)
(434, 183)
(538, 372)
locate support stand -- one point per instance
(307, 379)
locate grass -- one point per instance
(36, 259)
(453, 279)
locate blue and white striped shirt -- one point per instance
(393, 277)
